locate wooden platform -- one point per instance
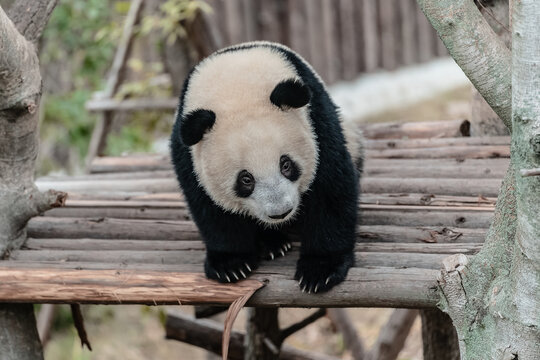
(125, 234)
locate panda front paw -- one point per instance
(229, 267)
(321, 273)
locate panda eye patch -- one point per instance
(245, 183)
(288, 168)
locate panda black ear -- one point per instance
(195, 124)
(290, 93)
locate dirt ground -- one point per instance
(136, 332)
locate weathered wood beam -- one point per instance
(124, 284)
(466, 187)
(109, 228)
(415, 130)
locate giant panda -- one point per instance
(260, 153)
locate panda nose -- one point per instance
(279, 217)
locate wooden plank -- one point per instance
(113, 164)
(328, 41)
(431, 143)
(462, 152)
(349, 52)
(106, 228)
(425, 32)
(48, 227)
(297, 25)
(270, 15)
(475, 217)
(197, 245)
(196, 257)
(314, 20)
(250, 24)
(421, 129)
(364, 287)
(408, 22)
(387, 20)
(233, 21)
(369, 32)
(467, 187)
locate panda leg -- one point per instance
(231, 247)
(327, 250)
(273, 243)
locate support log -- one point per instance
(262, 340)
(438, 336)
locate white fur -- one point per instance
(250, 133)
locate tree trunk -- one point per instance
(493, 299)
(20, 93)
(19, 338)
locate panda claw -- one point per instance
(289, 245)
(271, 255)
(228, 278)
(284, 248)
(327, 280)
(301, 278)
(236, 276)
(243, 274)
(248, 267)
(316, 288)
(282, 252)
(217, 274)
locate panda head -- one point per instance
(251, 141)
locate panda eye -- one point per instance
(288, 168)
(245, 183)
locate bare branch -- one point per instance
(301, 324)
(479, 52)
(393, 335)
(343, 322)
(30, 17)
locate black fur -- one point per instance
(290, 94)
(195, 124)
(328, 214)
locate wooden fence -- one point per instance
(340, 38)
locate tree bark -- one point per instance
(493, 298)
(484, 121)
(479, 52)
(19, 339)
(20, 93)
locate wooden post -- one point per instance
(439, 336)
(19, 338)
(262, 341)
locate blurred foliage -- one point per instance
(76, 51)
(86, 33)
(173, 14)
